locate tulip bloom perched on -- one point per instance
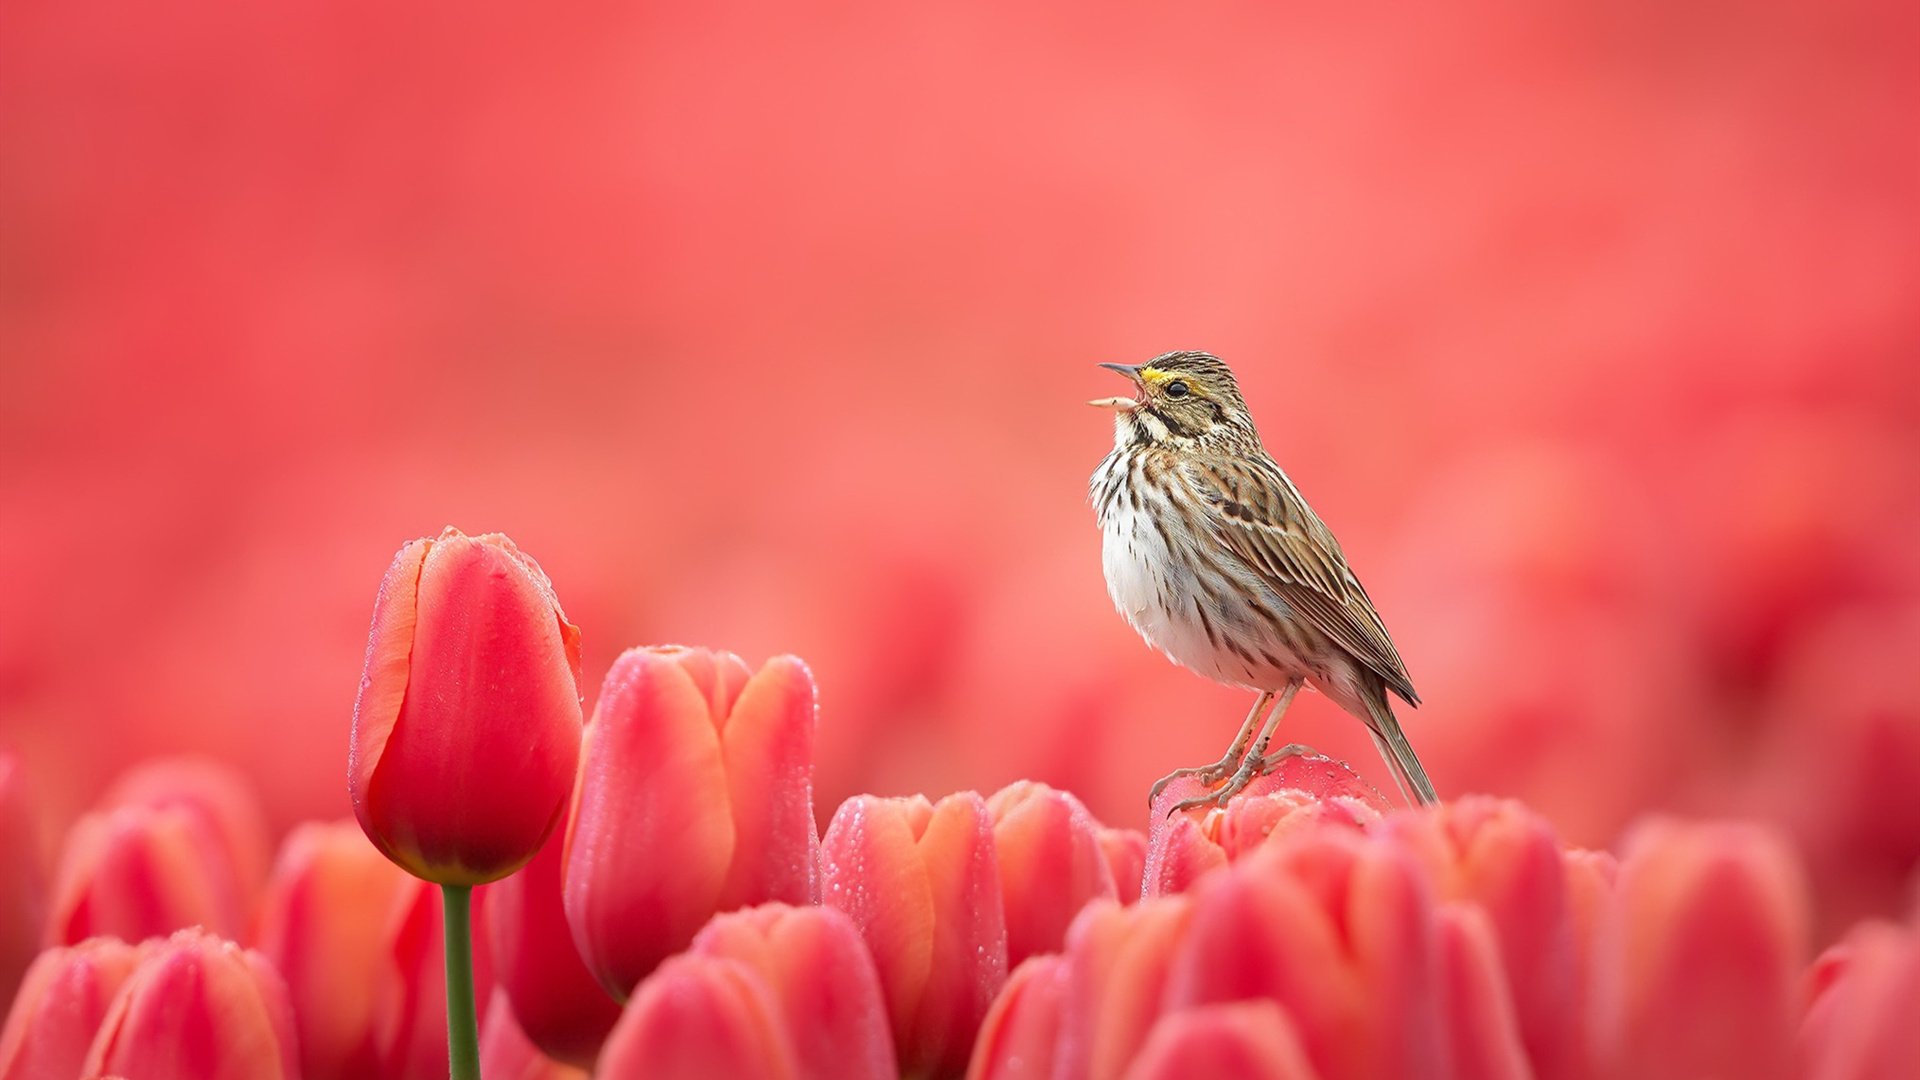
(466, 733)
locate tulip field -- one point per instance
(554, 542)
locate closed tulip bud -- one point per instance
(1185, 846)
(695, 797)
(554, 1000)
(1020, 1037)
(1859, 1022)
(410, 1004)
(822, 980)
(466, 732)
(1705, 943)
(331, 908)
(198, 1008)
(1051, 863)
(140, 872)
(921, 883)
(699, 1017)
(1126, 853)
(59, 1007)
(221, 796)
(1118, 960)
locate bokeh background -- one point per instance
(1592, 328)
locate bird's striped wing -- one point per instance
(1259, 516)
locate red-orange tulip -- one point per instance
(1184, 846)
(410, 1000)
(222, 797)
(554, 1000)
(1245, 1040)
(331, 910)
(59, 1007)
(921, 883)
(140, 872)
(23, 888)
(1020, 1037)
(695, 797)
(1051, 863)
(198, 1008)
(1860, 1022)
(467, 729)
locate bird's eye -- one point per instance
(1176, 389)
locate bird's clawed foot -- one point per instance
(1209, 775)
(1256, 764)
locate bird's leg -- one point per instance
(1256, 762)
(1219, 770)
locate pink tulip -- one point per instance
(223, 798)
(1020, 1037)
(822, 980)
(1702, 953)
(1051, 864)
(695, 796)
(23, 889)
(331, 908)
(698, 1017)
(1505, 861)
(60, 1005)
(507, 1054)
(922, 885)
(555, 1001)
(467, 728)
(1118, 963)
(1246, 1040)
(140, 872)
(198, 1008)
(1860, 1021)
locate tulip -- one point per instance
(1181, 847)
(412, 998)
(326, 924)
(698, 1017)
(1506, 862)
(822, 980)
(140, 872)
(1118, 960)
(1246, 1040)
(467, 728)
(1860, 1021)
(1020, 1036)
(1051, 864)
(220, 795)
(695, 797)
(554, 1000)
(23, 889)
(198, 1008)
(1705, 940)
(59, 1007)
(922, 885)
(507, 1054)
(466, 732)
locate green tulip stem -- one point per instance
(463, 1027)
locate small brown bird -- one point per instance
(1213, 556)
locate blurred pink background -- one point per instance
(1593, 330)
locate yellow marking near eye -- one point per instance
(1155, 375)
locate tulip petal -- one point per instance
(1119, 962)
(767, 746)
(60, 1005)
(507, 1054)
(198, 1008)
(555, 1001)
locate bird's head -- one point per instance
(1179, 396)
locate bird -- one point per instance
(1213, 556)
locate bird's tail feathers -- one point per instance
(1408, 775)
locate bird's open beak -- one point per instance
(1119, 402)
